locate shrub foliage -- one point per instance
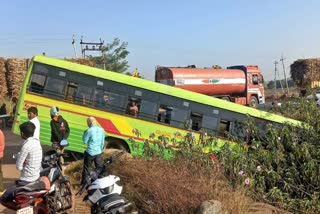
(281, 167)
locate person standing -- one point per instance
(59, 128)
(2, 145)
(93, 137)
(33, 117)
(28, 161)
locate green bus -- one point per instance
(81, 91)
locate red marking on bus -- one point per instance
(108, 126)
(205, 81)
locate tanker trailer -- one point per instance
(239, 84)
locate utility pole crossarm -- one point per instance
(95, 46)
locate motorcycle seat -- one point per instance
(39, 193)
(42, 184)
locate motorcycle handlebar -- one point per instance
(82, 188)
(113, 158)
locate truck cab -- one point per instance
(255, 89)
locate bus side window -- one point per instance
(133, 106)
(195, 122)
(84, 94)
(224, 126)
(99, 99)
(209, 123)
(37, 83)
(116, 102)
(148, 110)
(71, 92)
(165, 113)
(54, 87)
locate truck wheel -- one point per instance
(253, 102)
(226, 98)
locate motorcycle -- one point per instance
(50, 194)
(60, 197)
(104, 191)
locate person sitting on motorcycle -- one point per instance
(28, 162)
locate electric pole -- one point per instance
(74, 47)
(284, 72)
(275, 76)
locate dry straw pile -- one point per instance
(304, 71)
(3, 83)
(82, 61)
(16, 70)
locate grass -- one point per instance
(179, 186)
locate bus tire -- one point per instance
(253, 101)
(115, 143)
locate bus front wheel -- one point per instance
(114, 143)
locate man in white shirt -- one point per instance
(28, 162)
(33, 117)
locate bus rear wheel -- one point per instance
(114, 143)
(253, 101)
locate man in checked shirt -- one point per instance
(28, 161)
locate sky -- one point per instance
(168, 32)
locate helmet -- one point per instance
(54, 111)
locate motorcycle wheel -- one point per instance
(66, 196)
(62, 199)
(40, 209)
(97, 210)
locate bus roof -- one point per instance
(164, 89)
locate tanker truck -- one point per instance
(240, 84)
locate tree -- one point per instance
(113, 57)
(271, 84)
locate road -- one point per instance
(10, 173)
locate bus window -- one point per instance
(71, 92)
(84, 95)
(116, 102)
(37, 83)
(148, 110)
(99, 99)
(133, 107)
(178, 117)
(54, 87)
(209, 122)
(224, 126)
(195, 121)
(165, 113)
